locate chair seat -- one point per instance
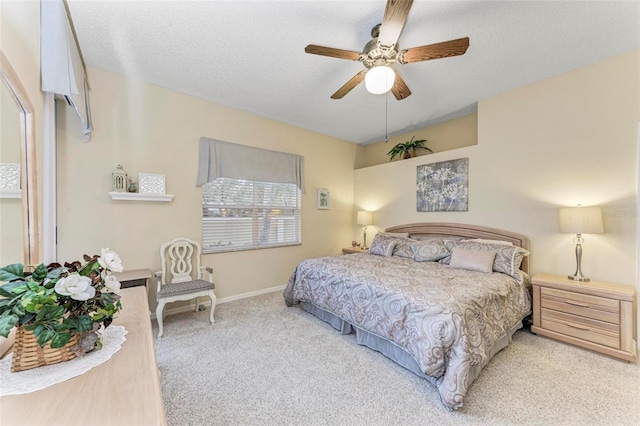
(177, 289)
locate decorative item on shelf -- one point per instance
(119, 180)
(9, 176)
(61, 308)
(133, 186)
(407, 149)
(323, 202)
(10, 180)
(364, 218)
(151, 183)
(580, 220)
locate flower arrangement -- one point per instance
(56, 301)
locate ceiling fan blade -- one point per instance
(355, 80)
(395, 16)
(434, 51)
(332, 52)
(400, 89)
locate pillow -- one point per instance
(382, 245)
(472, 260)
(428, 250)
(401, 249)
(508, 257)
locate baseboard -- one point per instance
(207, 302)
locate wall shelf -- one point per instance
(10, 193)
(136, 196)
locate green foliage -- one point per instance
(407, 149)
(32, 300)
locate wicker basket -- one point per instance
(28, 354)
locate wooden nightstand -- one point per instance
(594, 315)
(349, 250)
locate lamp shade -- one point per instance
(364, 218)
(379, 80)
(581, 220)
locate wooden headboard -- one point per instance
(462, 230)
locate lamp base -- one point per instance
(578, 278)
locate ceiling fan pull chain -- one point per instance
(386, 118)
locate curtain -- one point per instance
(62, 70)
(223, 159)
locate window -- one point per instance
(240, 214)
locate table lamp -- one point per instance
(364, 218)
(580, 220)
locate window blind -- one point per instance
(240, 214)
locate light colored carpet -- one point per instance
(263, 363)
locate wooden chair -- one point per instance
(179, 279)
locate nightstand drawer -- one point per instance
(598, 308)
(600, 332)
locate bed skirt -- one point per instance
(397, 353)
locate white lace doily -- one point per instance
(42, 377)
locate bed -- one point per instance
(440, 299)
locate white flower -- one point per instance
(110, 260)
(111, 284)
(76, 286)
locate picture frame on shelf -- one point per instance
(323, 201)
(149, 183)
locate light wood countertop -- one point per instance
(123, 391)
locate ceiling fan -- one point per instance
(382, 51)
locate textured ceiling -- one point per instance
(250, 55)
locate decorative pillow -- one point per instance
(382, 245)
(508, 257)
(428, 250)
(401, 249)
(472, 260)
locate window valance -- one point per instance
(224, 159)
(60, 62)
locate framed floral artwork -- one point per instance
(443, 186)
(323, 201)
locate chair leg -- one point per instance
(196, 305)
(213, 306)
(159, 310)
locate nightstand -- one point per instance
(594, 315)
(349, 250)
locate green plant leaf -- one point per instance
(40, 273)
(85, 323)
(13, 288)
(50, 313)
(44, 336)
(88, 268)
(54, 274)
(12, 272)
(60, 339)
(7, 322)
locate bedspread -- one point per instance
(448, 319)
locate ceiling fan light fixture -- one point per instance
(379, 79)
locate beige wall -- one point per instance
(153, 130)
(451, 134)
(20, 43)
(566, 140)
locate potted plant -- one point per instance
(58, 305)
(407, 149)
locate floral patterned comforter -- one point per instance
(448, 319)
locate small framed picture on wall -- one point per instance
(323, 202)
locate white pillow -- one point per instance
(472, 260)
